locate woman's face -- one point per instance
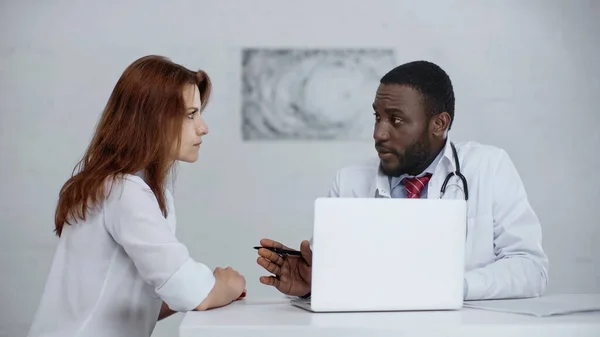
(193, 126)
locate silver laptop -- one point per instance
(376, 254)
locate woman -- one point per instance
(118, 266)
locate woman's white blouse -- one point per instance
(112, 272)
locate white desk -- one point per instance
(276, 318)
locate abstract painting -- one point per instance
(311, 94)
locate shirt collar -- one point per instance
(385, 183)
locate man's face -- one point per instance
(401, 129)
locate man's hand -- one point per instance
(292, 273)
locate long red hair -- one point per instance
(138, 130)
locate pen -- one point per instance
(280, 250)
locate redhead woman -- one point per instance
(119, 267)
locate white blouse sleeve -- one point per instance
(134, 220)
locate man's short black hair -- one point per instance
(428, 79)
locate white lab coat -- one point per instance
(504, 255)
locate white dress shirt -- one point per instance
(504, 255)
(112, 272)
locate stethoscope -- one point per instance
(455, 173)
(461, 177)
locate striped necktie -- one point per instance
(415, 185)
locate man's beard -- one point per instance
(410, 159)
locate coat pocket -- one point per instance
(479, 244)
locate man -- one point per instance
(413, 112)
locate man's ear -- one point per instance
(440, 123)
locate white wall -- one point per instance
(526, 77)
